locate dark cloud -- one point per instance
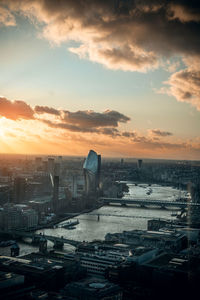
(108, 118)
(128, 35)
(47, 110)
(160, 133)
(128, 134)
(81, 121)
(85, 121)
(132, 35)
(113, 132)
(15, 110)
(185, 11)
(69, 127)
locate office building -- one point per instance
(91, 169)
(19, 190)
(93, 288)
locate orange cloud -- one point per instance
(6, 18)
(15, 110)
(19, 137)
(61, 131)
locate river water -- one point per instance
(112, 218)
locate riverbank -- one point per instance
(63, 218)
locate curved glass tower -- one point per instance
(91, 169)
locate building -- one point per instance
(38, 163)
(140, 163)
(12, 218)
(50, 165)
(4, 193)
(91, 170)
(55, 193)
(18, 216)
(167, 240)
(30, 218)
(179, 272)
(19, 190)
(76, 185)
(93, 288)
(40, 272)
(12, 286)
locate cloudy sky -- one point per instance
(120, 77)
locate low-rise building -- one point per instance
(166, 240)
(18, 216)
(93, 288)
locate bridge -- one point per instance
(58, 241)
(149, 202)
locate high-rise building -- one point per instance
(57, 169)
(38, 163)
(50, 165)
(91, 169)
(55, 192)
(140, 163)
(18, 217)
(19, 189)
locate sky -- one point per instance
(119, 77)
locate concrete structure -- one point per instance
(19, 189)
(11, 218)
(9, 280)
(165, 240)
(14, 217)
(4, 193)
(93, 288)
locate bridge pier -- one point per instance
(163, 206)
(35, 240)
(142, 206)
(58, 244)
(43, 244)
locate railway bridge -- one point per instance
(149, 203)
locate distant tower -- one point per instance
(57, 169)
(50, 165)
(55, 192)
(140, 163)
(60, 159)
(19, 189)
(38, 162)
(98, 171)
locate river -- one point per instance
(112, 218)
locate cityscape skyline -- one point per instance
(121, 77)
